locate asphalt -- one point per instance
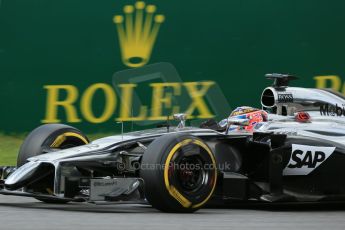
(27, 213)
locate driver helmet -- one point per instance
(253, 115)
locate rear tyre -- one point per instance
(179, 172)
(47, 137)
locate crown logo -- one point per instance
(137, 30)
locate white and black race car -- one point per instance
(293, 150)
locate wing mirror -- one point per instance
(237, 121)
(226, 123)
(182, 117)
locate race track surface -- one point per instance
(26, 213)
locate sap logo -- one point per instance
(304, 159)
(285, 98)
(308, 160)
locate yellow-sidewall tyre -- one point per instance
(179, 171)
(47, 137)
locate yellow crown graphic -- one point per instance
(138, 30)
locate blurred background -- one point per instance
(92, 64)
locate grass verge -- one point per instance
(10, 144)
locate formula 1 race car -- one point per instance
(292, 150)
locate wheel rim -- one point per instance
(190, 175)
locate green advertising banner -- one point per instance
(93, 64)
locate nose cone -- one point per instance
(22, 175)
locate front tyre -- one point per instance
(47, 137)
(179, 172)
(44, 139)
